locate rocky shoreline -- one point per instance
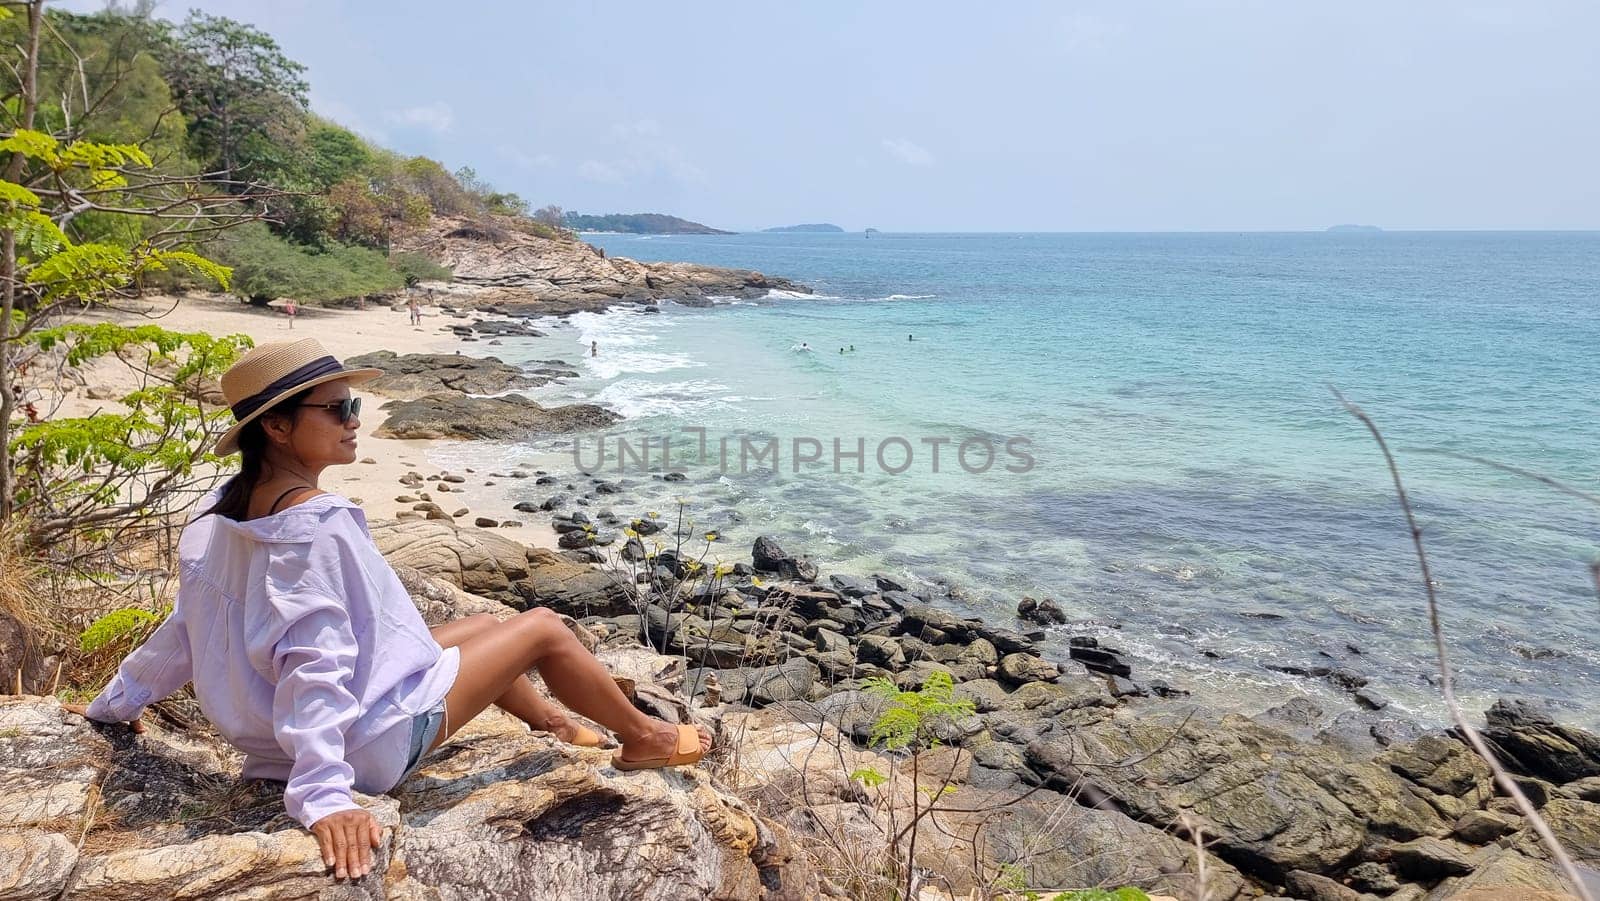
(1297, 800)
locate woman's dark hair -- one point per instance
(235, 500)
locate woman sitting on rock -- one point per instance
(306, 651)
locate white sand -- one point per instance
(345, 333)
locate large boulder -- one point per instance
(497, 812)
(495, 567)
(1527, 733)
(1263, 797)
(462, 417)
(418, 375)
(769, 557)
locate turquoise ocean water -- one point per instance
(1193, 480)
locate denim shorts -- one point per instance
(424, 729)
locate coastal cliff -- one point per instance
(502, 266)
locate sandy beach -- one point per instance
(373, 481)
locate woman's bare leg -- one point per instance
(492, 660)
(522, 700)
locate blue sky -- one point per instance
(933, 116)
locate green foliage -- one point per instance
(117, 627)
(1126, 893)
(66, 464)
(869, 777)
(335, 154)
(910, 717)
(268, 267)
(638, 224)
(414, 267)
(237, 89)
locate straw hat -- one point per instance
(270, 373)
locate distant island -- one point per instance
(638, 224)
(808, 227)
(1358, 229)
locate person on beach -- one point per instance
(415, 311)
(594, 348)
(289, 308)
(307, 652)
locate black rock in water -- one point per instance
(1044, 611)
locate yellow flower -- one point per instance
(711, 536)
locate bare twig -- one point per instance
(1502, 778)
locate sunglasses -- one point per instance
(350, 406)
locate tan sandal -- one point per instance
(688, 752)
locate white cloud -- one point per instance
(436, 116)
(524, 159)
(594, 170)
(907, 152)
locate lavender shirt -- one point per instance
(304, 649)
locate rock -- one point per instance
(1372, 877)
(1313, 887)
(769, 557)
(418, 375)
(1585, 789)
(1441, 764)
(1100, 659)
(1257, 792)
(760, 686)
(1295, 716)
(20, 653)
(1481, 827)
(852, 586)
(1527, 733)
(930, 623)
(880, 650)
(985, 694)
(1575, 824)
(39, 864)
(1006, 641)
(496, 567)
(1505, 875)
(1370, 699)
(1430, 858)
(829, 641)
(1044, 611)
(484, 522)
(521, 273)
(463, 417)
(1020, 669)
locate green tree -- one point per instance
(49, 182)
(335, 155)
(237, 88)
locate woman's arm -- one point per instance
(301, 639)
(312, 654)
(154, 670)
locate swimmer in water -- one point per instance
(594, 348)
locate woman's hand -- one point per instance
(83, 710)
(347, 839)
